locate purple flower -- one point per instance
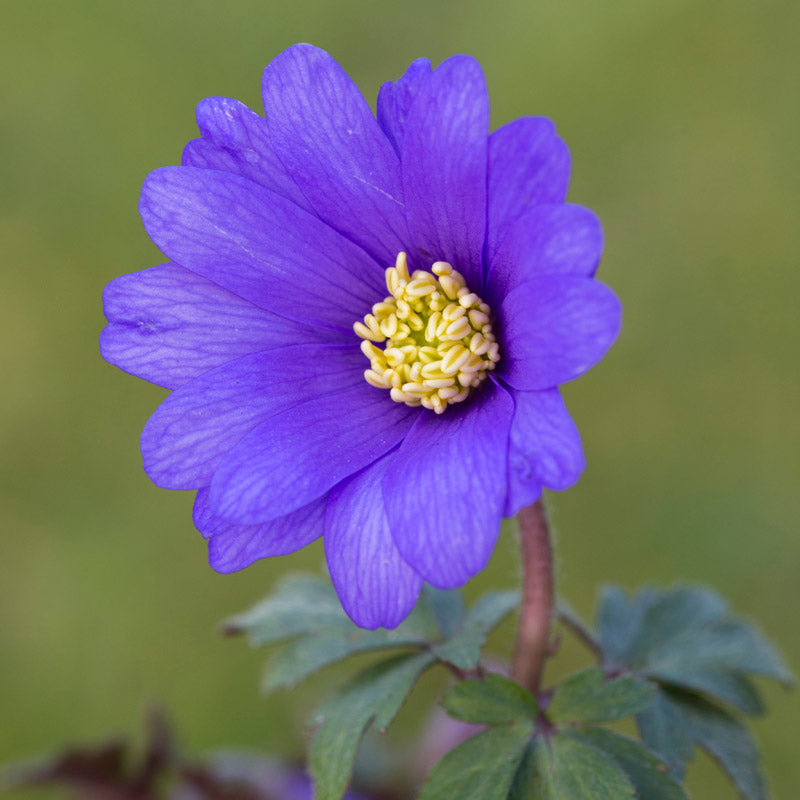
(318, 242)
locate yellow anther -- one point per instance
(441, 268)
(477, 319)
(381, 310)
(401, 265)
(449, 286)
(438, 335)
(453, 359)
(433, 323)
(394, 356)
(419, 287)
(432, 370)
(388, 326)
(367, 333)
(453, 312)
(415, 322)
(370, 351)
(374, 379)
(392, 378)
(458, 328)
(438, 383)
(476, 343)
(427, 354)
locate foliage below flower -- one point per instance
(302, 241)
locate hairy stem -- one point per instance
(536, 614)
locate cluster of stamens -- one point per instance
(437, 333)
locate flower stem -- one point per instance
(536, 613)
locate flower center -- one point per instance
(438, 337)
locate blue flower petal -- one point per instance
(168, 325)
(281, 228)
(327, 138)
(395, 100)
(555, 329)
(234, 547)
(562, 239)
(259, 245)
(299, 454)
(444, 157)
(544, 448)
(528, 165)
(376, 586)
(236, 139)
(446, 487)
(197, 425)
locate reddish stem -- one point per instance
(536, 613)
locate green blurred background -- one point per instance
(682, 118)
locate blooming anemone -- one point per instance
(363, 322)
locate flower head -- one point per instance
(364, 323)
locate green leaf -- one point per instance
(731, 644)
(730, 687)
(671, 614)
(302, 657)
(726, 740)
(648, 775)
(300, 604)
(463, 650)
(372, 697)
(588, 697)
(663, 728)
(493, 700)
(447, 607)
(618, 620)
(685, 637)
(305, 616)
(481, 768)
(562, 768)
(676, 721)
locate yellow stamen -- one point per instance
(438, 337)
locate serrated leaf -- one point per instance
(491, 608)
(726, 740)
(493, 700)
(618, 620)
(304, 614)
(481, 768)
(562, 768)
(649, 776)
(672, 614)
(372, 697)
(463, 650)
(588, 697)
(732, 644)
(685, 637)
(300, 604)
(663, 728)
(447, 607)
(742, 646)
(730, 687)
(302, 657)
